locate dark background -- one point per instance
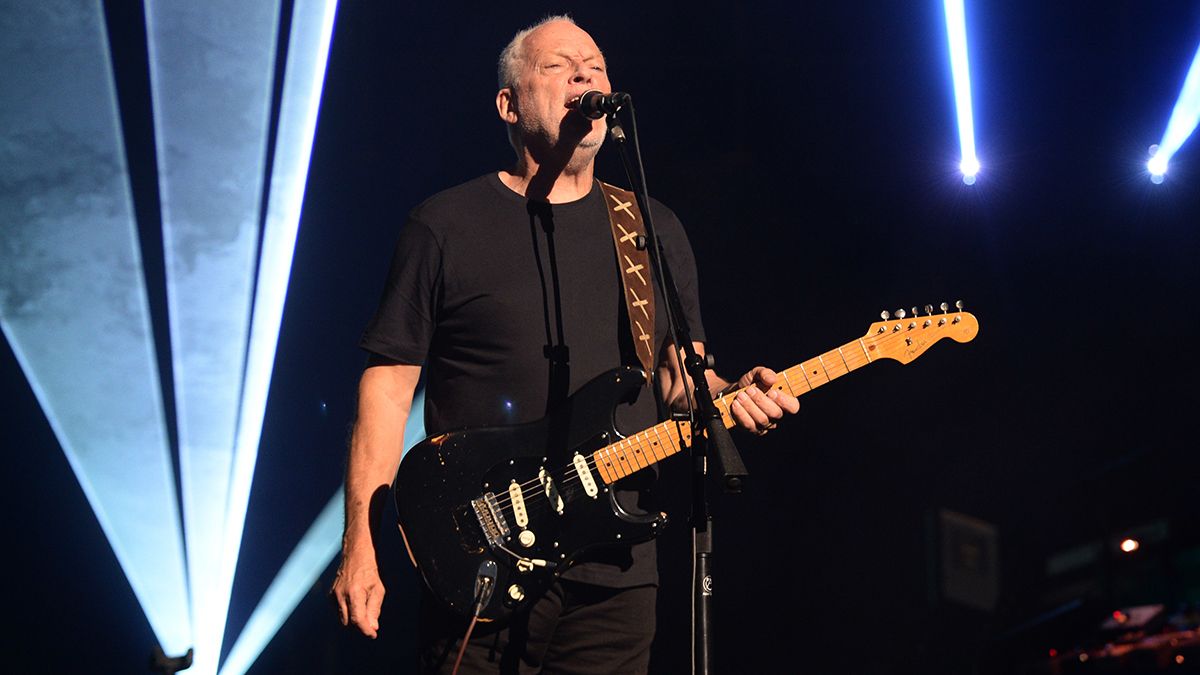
(811, 151)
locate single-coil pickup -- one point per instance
(551, 491)
(520, 516)
(487, 510)
(585, 476)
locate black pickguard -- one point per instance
(441, 476)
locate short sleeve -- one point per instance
(682, 261)
(403, 326)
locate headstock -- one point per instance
(905, 335)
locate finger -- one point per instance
(742, 416)
(766, 404)
(358, 613)
(788, 403)
(756, 416)
(374, 603)
(343, 612)
(764, 377)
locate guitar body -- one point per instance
(515, 496)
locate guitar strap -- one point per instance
(628, 233)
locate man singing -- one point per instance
(506, 294)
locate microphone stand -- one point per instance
(715, 459)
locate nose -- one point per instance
(582, 74)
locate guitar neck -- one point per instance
(665, 439)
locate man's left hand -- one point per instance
(760, 404)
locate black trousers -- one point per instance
(575, 628)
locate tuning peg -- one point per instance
(928, 309)
(944, 307)
(914, 312)
(885, 315)
(958, 304)
(900, 313)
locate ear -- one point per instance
(506, 105)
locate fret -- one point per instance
(659, 451)
(788, 381)
(623, 467)
(864, 348)
(639, 451)
(602, 466)
(813, 372)
(848, 368)
(665, 439)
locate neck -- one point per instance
(553, 181)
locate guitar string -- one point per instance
(592, 464)
(640, 441)
(567, 480)
(852, 362)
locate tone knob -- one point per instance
(527, 537)
(516, 593)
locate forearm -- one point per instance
(370, 468)
(676, 386)
(376, 444)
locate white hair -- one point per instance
(510, 59)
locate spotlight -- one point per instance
(956, 32)
(1182, 122)
(969, 168)
(1130, 545)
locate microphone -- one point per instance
(594, 104)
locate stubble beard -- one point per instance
(551, 148)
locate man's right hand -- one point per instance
(359, 592)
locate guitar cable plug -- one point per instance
(485, 583)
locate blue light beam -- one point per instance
(73, 300)
(1181, 124)
(304, 566)
(301, 570)
(956, 31)
(304, 78)
(211, 70)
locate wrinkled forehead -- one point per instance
(560, 38)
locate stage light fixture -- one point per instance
(956, 33)
(1156, 165)
(73, 298)
(1180, 125)
(1130, 545)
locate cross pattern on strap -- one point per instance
(627, 236)
(635, 268)
(631, 264)
(623, 206)
(639, 303)
(642, 335)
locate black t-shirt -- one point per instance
(510, 306)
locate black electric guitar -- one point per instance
(494, 514)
